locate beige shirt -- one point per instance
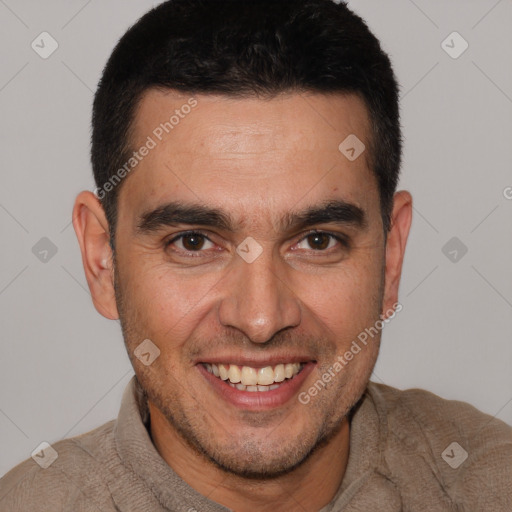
(402, 458)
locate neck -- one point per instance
(308, 487)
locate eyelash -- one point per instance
(339, 238)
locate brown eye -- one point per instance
(193, 242)
(319, 241)
(190, 242)
(323, 241)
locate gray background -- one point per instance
(63, 367)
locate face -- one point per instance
(251, 252)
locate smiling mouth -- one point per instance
(246, 378)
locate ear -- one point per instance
(92, 231)
(401, 218)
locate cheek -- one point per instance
(347, 299)
(169, 303)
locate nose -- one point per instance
(258, 300)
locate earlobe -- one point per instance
(401, 219)
(92, 231)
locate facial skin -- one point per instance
(303, 299)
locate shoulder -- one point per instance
(433, 412)
(468, 453)
(69, 475)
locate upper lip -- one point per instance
(256, 362)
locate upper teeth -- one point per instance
(249, 376)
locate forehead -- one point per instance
(253, 154)
(250, 124)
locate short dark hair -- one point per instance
(243, 48)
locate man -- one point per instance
(247, 233)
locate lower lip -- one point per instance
(258, 400)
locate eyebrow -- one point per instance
(176, 213)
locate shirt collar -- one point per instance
(136, 450)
